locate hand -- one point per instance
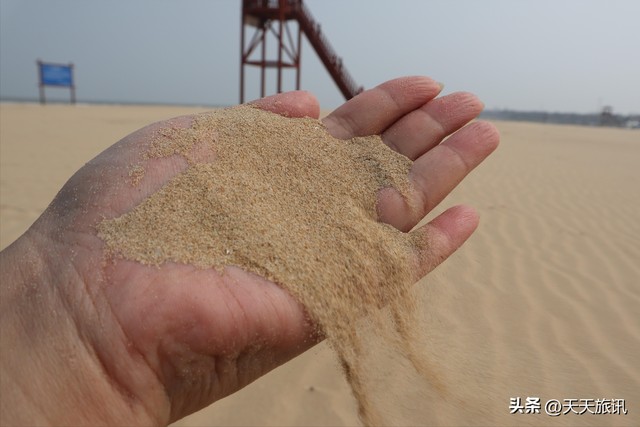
(86, 340)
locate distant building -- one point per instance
(632, 124)
(607, 118)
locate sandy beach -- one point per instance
(542, 302)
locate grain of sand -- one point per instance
(285, 200)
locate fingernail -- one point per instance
(441, 85)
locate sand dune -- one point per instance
(541, 302)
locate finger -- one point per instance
(444, 235)
(437, 172)
(290, 104)
(373, 111)
(425, 127)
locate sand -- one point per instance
(542, 301)
(284, 199)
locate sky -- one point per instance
(551, 55)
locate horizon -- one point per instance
(195, 105)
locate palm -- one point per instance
(195, 336)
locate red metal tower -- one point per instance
(272, 18)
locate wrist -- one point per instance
(51, 373)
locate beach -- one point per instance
(541, 302)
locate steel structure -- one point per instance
(272, 19)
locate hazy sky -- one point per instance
(555, 55)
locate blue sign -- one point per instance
(56, 75)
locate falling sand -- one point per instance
(284, 199)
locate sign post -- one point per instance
(60, 75)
